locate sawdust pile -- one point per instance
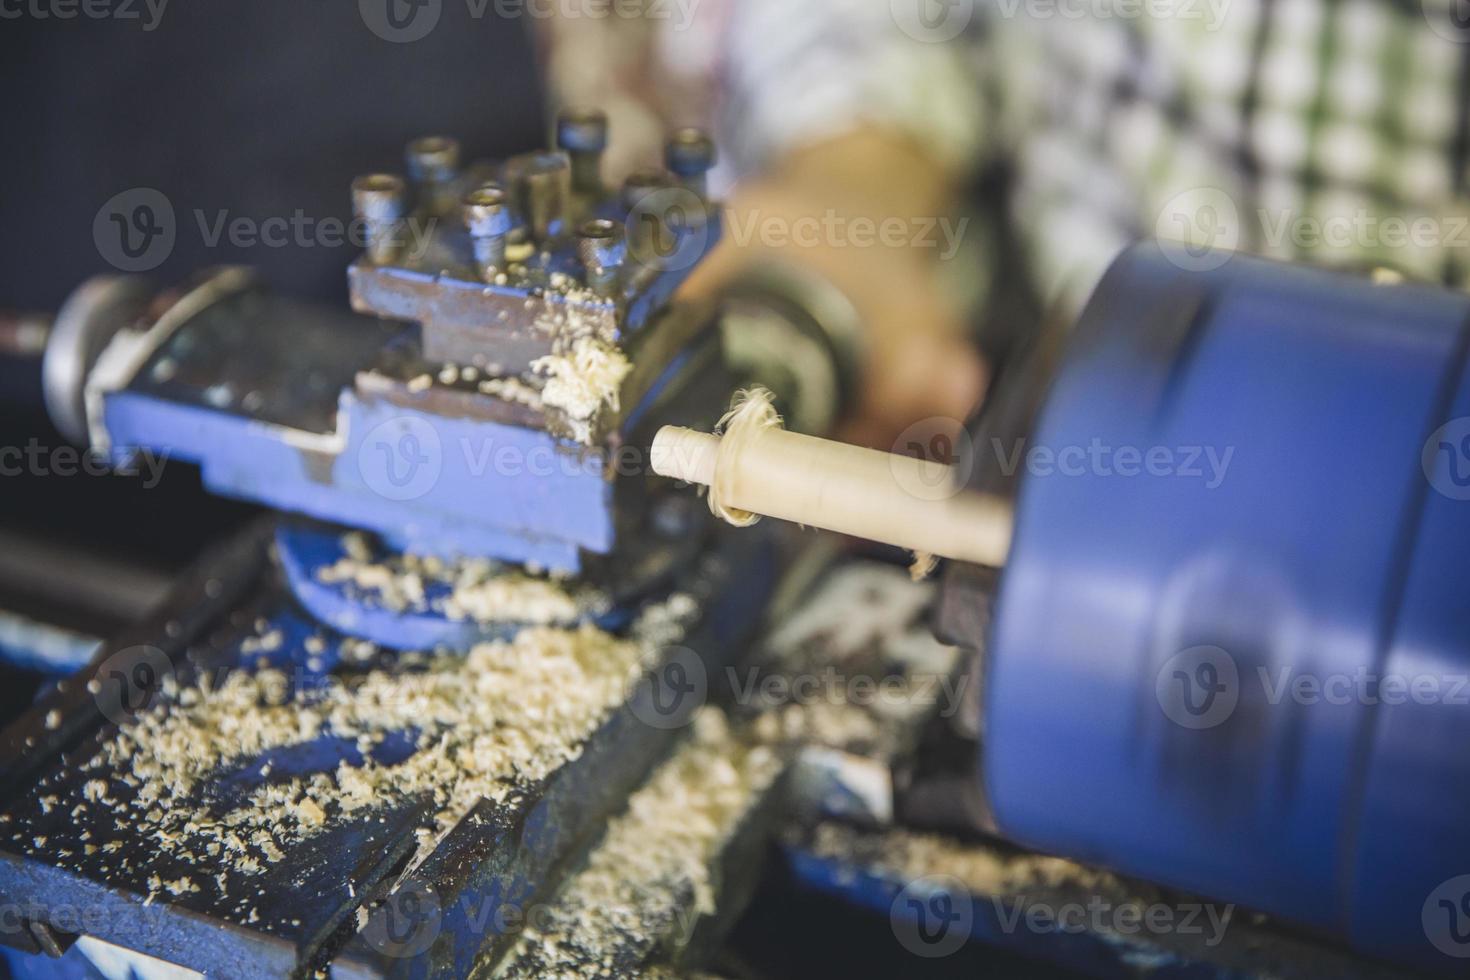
(906, 856)
(583, 377)
(654, 856)
(513, 390)
(475, 590)
(574, 384)
(483, 725)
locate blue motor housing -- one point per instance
(1231, 648)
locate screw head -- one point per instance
(433, 158)
(484, 211)
(602, 251)
(600, 231)
(600, 243)
(640, 184)
(690, 152)
(378, 197)
(581, 130)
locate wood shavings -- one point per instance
(654, 861)
(581, 376)
(582, 379)
(512, 390)
(834, 725)
(474, 590)
(752, 412)
(396, 589)
(923, 566)
(505, 715)
(517, 598)
(310, 813)
(908, 855)
(267, 642)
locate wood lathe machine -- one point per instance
(377, 733)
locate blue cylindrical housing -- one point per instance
(1230, 648)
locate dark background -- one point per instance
(260, 108)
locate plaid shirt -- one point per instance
(1330, 131)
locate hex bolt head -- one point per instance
(581, 130)
(379, 201)
(582, 134)
(487, 217)
(433, 165)
(378, 197)
(690, 154)
(485, 211)
(640, 184)
(540, 188)
(432, 159)
(602, 249)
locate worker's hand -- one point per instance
(817, 211)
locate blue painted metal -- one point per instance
(1317, 549)
(424, 291)
(74, 965)
(42, 648)
(305, 550)
(434, 472)
(434, 484)
(991, 920)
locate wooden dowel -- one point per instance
(896, 500)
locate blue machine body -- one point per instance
(449, 480)
(1230, 649)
